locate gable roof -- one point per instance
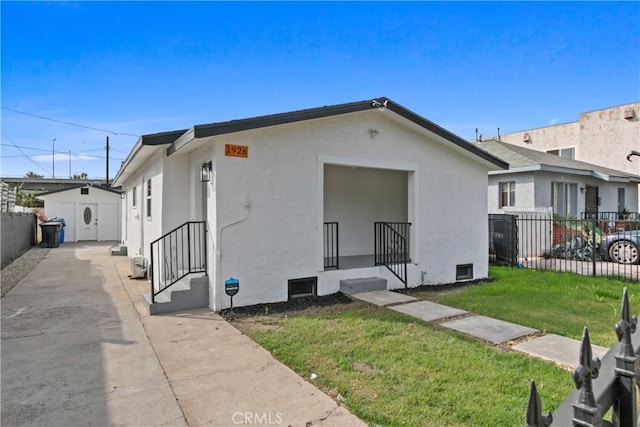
(221, 128)
(75, 187)
(523, 159)
(180, 138)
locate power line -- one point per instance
(77, 153)
(70, 123)
(19, 149)
(49, 151)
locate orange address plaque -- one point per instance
(236, 150)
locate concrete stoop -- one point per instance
(362, 284)
(118, 250)
(187, 294)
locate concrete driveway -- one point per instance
(78, 349)
(74, 352)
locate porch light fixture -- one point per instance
(205, 171)
(583, 189)
(123, 195)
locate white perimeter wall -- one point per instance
(270, 206)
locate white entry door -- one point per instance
(88, 222)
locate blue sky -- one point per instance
(144, 67)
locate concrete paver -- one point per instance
(492, 330)
(427, 310)
(555, 348)
(383, 298)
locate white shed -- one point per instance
(90, 212)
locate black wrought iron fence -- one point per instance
(601, 385)
(584, 246)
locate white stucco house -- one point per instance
(295, 203)
(569, 187)
(90, 212)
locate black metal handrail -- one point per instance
(180, 252)
(391, 247)
(331, 247)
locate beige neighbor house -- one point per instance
(602, 137)
(302, 203)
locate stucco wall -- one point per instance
(357, 197)
(270, 206)
(527, 197)
(602, 137)
(141, 229)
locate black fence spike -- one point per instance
(534, 410)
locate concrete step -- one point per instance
(362, 284)
(188, 293)
(118, 250)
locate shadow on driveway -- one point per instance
(74, 351)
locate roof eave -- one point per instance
(214, 129)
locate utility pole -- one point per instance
(53, 157)
(69, 164)
(107, 160)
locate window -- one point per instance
(507, 194)
(567, 153)
(84, 190)
(564, 199)
(464, 271)
(621, 201)
(302, 287)
(134, 197)
(149, 198)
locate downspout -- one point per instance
(218, 302)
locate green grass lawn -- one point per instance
(394, 370)
(558, 303)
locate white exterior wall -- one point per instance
(68, 204)
(525, 191)
(357, 197)
(270, 206)
(141, 229)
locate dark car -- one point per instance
(622, 247)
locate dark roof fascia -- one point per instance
(213, 129)
(222, 128)
(75, 187)
(162, 137)
(442, 132)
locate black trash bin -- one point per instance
(50, 234)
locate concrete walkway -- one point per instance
(554, 348)
(78, 349)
